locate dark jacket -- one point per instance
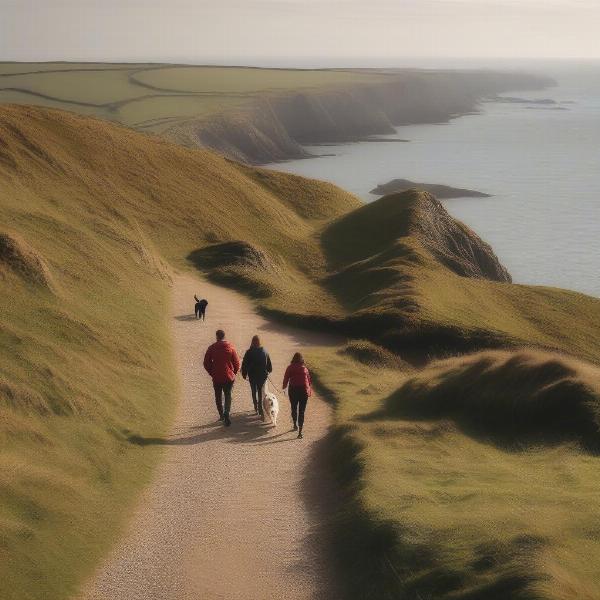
(256, 364)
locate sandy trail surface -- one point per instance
(232, 513)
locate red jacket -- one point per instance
(297, 375)
(222, 362)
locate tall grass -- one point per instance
(446, 506)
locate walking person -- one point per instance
(222, 364)
(256, 366)
(200, 308)
(298, 378)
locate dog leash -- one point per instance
(276, 388)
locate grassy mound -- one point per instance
(515, 399)
(437, 505)
(370, 354)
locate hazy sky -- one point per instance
(244, 30)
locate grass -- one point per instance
(81, 364)
(93, 216)
(228, 80)
(445, 495)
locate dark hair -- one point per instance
(220, 334)
(255, 341)
(297, 359)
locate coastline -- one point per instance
(275, 128)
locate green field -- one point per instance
(154, 97)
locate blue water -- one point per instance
(542, 167)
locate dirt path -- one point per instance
(232, 513)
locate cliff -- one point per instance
(275, 126)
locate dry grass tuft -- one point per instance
(18, 258)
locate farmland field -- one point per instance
(154, 97)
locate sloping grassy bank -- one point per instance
(473, 478)
(85, 357)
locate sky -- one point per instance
(302, 32)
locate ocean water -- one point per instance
(541, 165)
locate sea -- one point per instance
(539, 162)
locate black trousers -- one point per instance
(298, 400)
(256, 387)
(220, 390)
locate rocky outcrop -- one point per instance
(439, 191)
(274, 127)
(453, 243)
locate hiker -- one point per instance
(200, 307)
(222, 364)
(256, 366)
(298, 377)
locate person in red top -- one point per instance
(222, 364)
(298, 378)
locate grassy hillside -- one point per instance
(412, 278)
(474, 478)
(93, 216)
(90, 214)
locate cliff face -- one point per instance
(274, 127)
(388, 224)
(453, 243)
(253, 135)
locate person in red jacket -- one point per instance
(298, 378)
(222, 364)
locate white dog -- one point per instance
(270, 405)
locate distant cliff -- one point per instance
(274, 128)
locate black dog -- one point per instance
(200, 307)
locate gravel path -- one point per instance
(232, 513)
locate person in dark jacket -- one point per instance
(222, 364)
(256, 366)
(298, 378)
(200, 307)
